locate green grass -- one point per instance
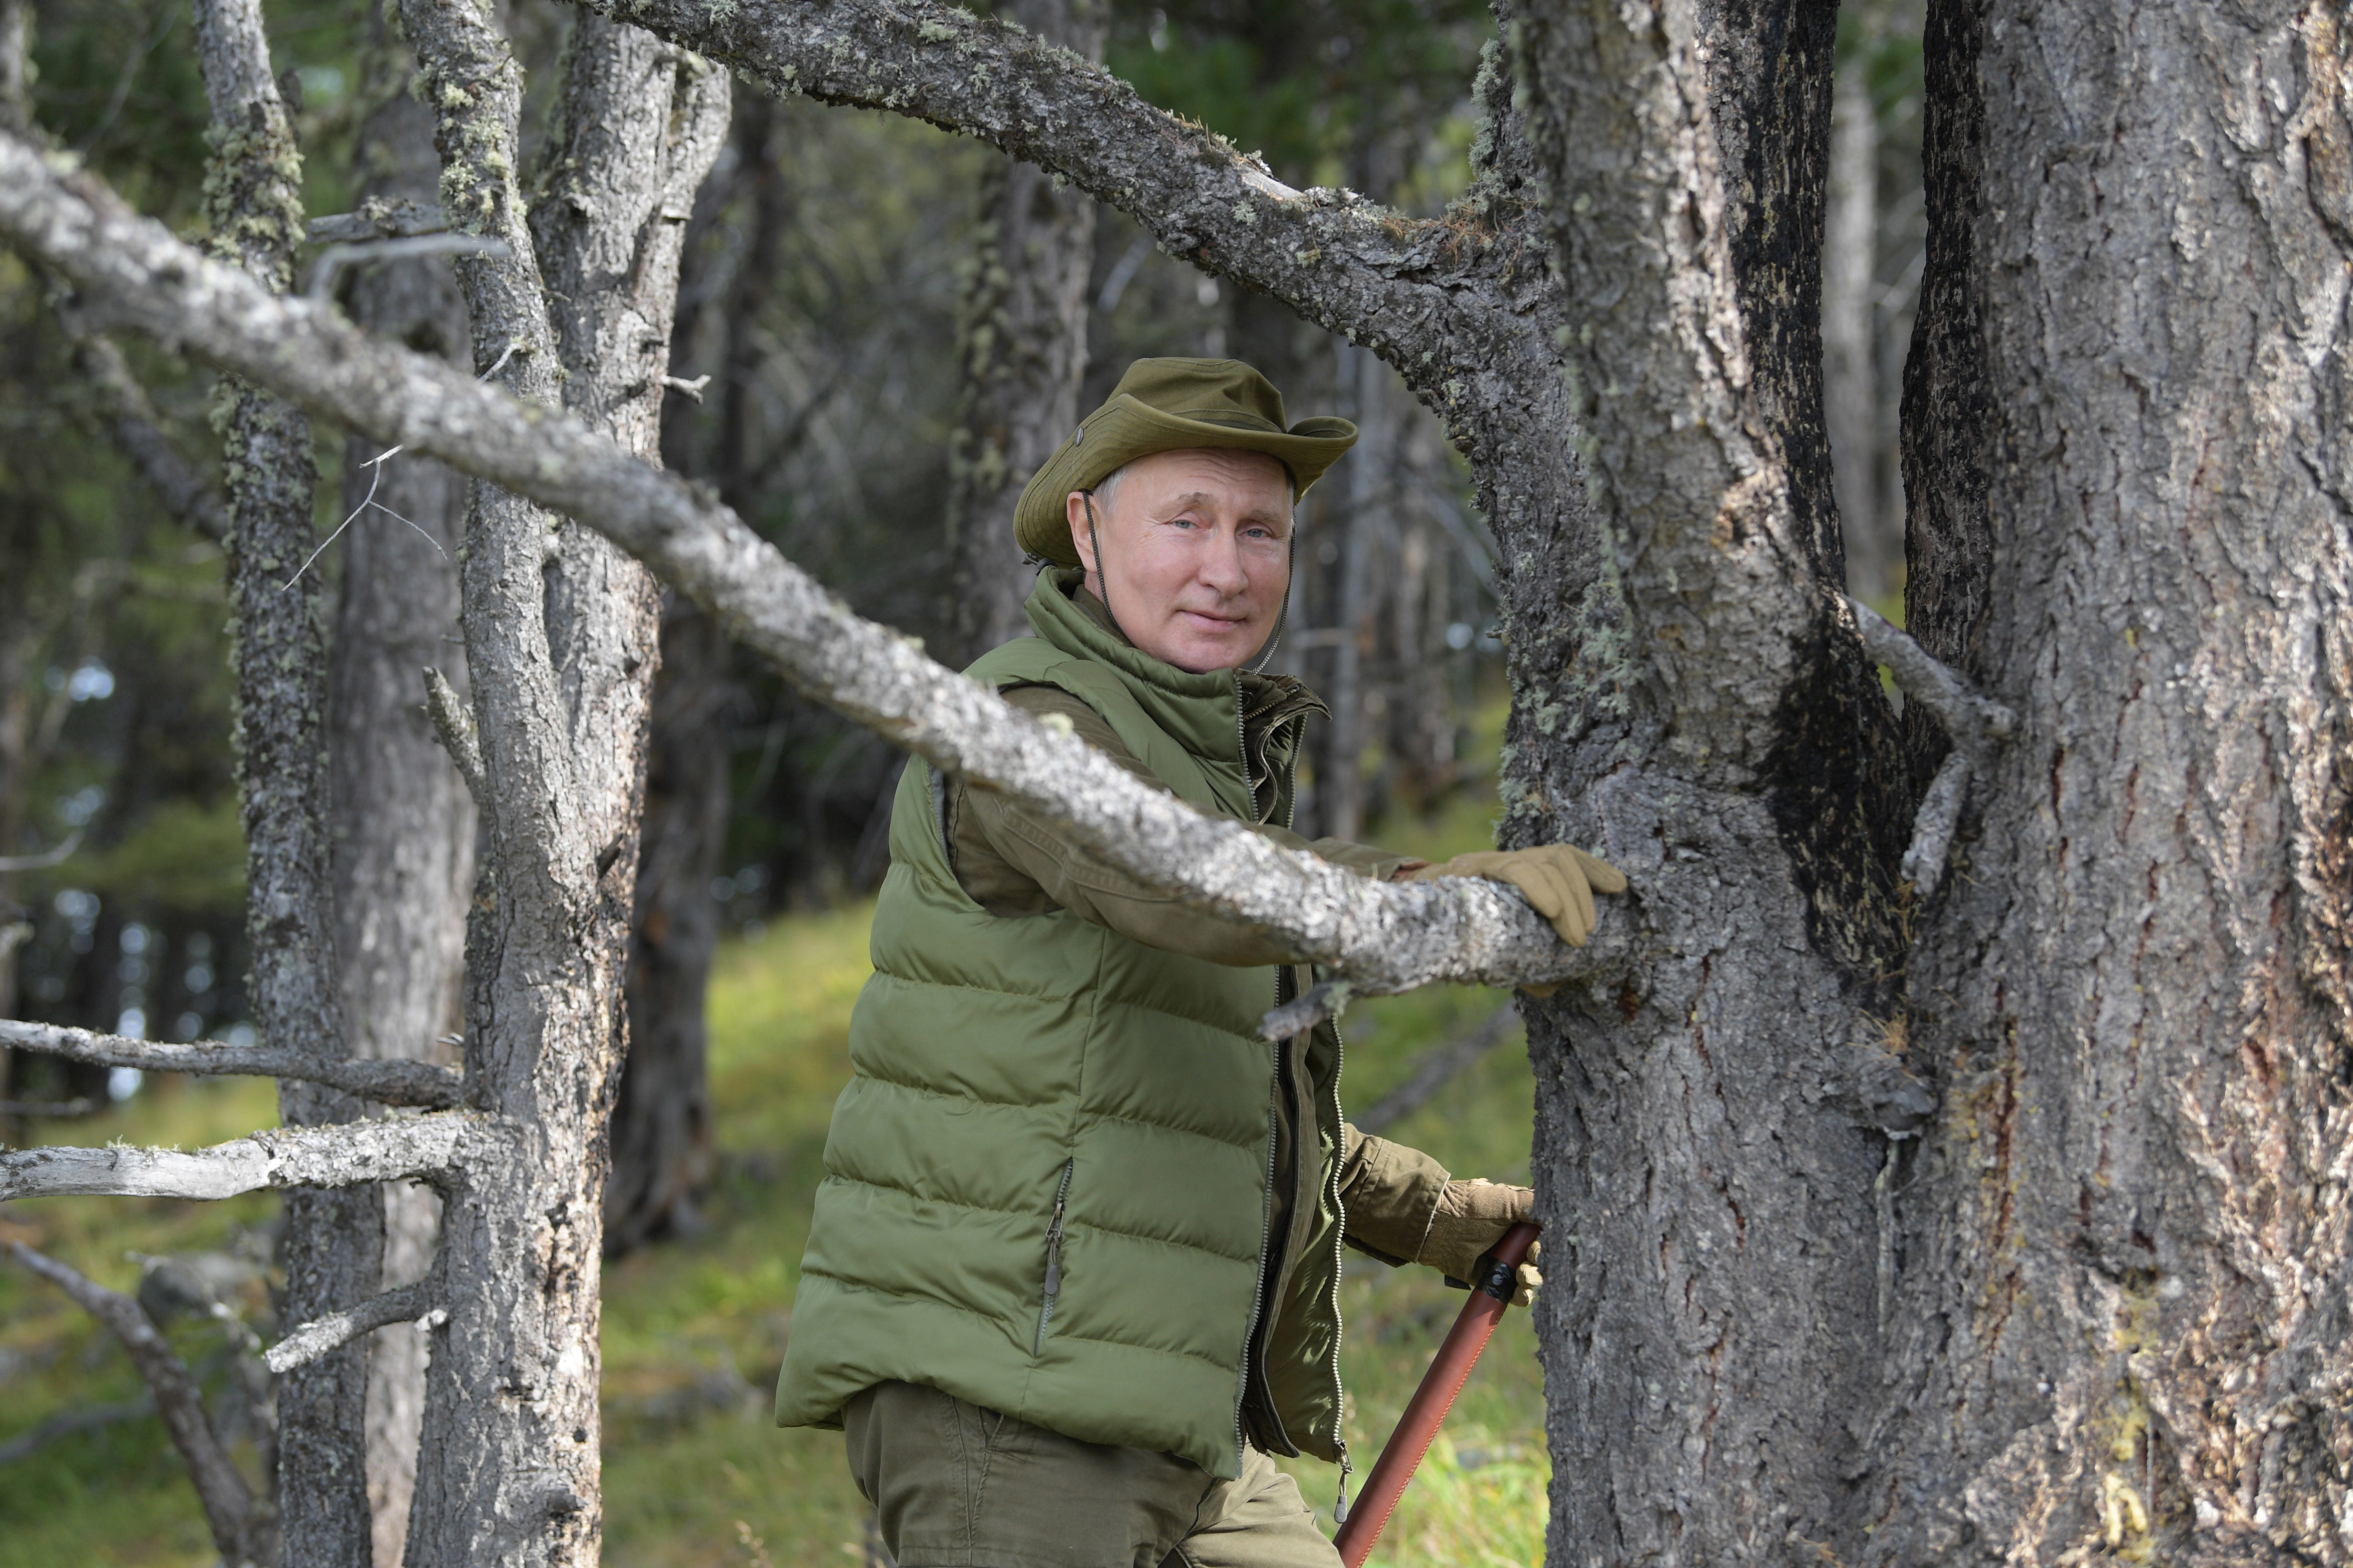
(694, 1329)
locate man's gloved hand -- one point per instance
(1556, 879)
(1471, 1219)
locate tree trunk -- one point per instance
(2122, 1323)
(662, 1133)
(1022, 350)
(1704, 1147)
(332, 1241)
(1850, 347)
(561, 643)
(404, 823)
(661, 1137)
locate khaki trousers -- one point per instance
(957, 1486)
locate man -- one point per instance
(1073, 1274)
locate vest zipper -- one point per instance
(1053, 1256)
(1274, 1089)
(1339, 1235)
(1258, 1291)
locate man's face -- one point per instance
(1195, 554)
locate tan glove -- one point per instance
(1471, 1219)
(1557, 881)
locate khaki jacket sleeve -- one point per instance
(1014, 862)
(1390, 1193)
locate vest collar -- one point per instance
(1202, 712)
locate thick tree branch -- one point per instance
(334, 1240)
(1430, 296)
(228, 1503)
(316, 1338)
(1385, 937)
(388, 1082)
(344, 1155)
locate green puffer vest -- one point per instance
(1047, 1184)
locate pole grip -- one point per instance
(1491, 1293)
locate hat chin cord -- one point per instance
(1103, 583)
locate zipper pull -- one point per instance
(1340, 1508)
(1054, 1247)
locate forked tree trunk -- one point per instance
(404, 823)
(1022, 347)
(561, 644)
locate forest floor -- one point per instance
(694, 1329)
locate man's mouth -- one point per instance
(1208, 622)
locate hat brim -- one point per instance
(1126, 428)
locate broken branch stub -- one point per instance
(1383, 937)
(316, 1338)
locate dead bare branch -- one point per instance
(131, 419)
(342, 1155)
(389, 1082)
(353, 253)
(453, 722)
(1933, 825)
(316, 1338)
(1970, 720)
(76, 1418)
(49, 1110)
(228, 1503)
(46, 859)
(376, 219)
(1385, 937)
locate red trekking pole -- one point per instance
(1489, 1294)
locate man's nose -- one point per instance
(1221, 565)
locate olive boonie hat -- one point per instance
(1171, 406)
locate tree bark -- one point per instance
(1022, 350)
(405, 825)
(333, 1239)
(644, 123)
(1718, 736)
(2122, 1324)
(661, 1131)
